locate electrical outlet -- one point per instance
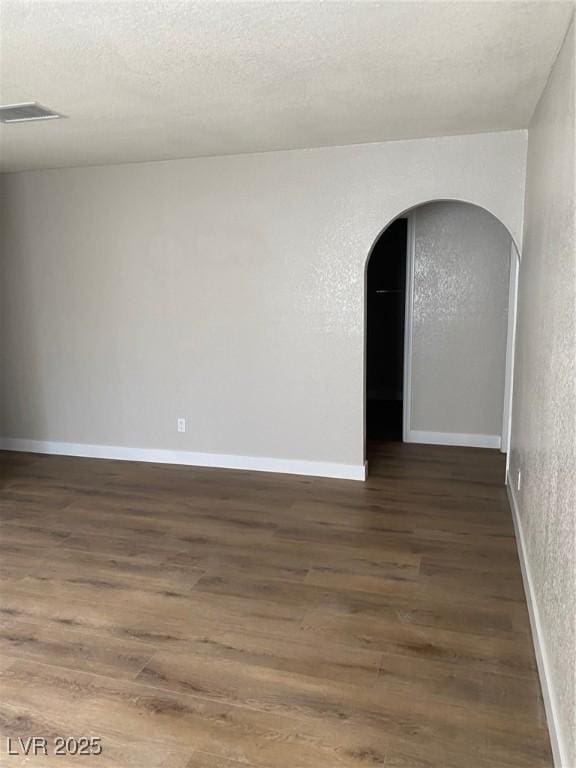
(181, 425)
(518, 480)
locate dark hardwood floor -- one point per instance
(196, 618)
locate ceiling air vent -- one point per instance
(31, 110)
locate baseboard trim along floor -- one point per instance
(556, 741)
(454, 438)
(190, 458)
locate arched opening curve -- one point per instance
(511, 289)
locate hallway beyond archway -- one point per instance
(440, 317)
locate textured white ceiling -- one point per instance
(163, 79)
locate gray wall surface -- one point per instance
(460, 317)
(226, 290)
(544, 406)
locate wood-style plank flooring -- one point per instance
(197, 618)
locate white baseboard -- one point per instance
(559, 752)
(453, 438)
(190, 458)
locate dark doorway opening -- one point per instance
(386, 300)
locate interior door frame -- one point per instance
(510, 351)
(408, 309)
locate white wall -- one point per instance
(544, 410)
(459, 323)
(227, 290)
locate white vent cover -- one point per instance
(31, 110)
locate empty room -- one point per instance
(287, 384)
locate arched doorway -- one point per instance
(452, 315)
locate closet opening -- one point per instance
(385, 321)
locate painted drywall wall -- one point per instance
(459, 320)
(544, 404)
(228, 290)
